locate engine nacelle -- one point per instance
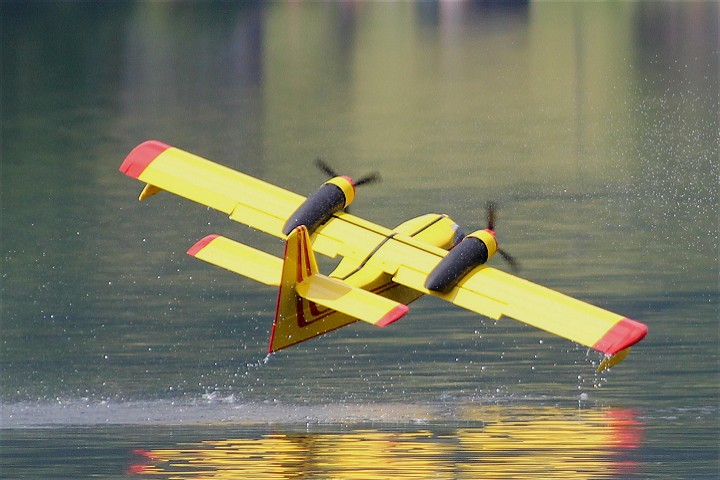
(333, 196)
(475, 249)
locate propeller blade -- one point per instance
(491, 217)
(491, 208)
(330, 172)
(325, 168)
(369, 178)
(510, 260)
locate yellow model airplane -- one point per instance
(381, 270)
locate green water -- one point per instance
(594, 127)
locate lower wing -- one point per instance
(494, 293)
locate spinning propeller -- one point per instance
(330, 172)
(333, 196)
(491, 215)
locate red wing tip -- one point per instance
(195, 249)
(624, 334)
(393, 315)
(141, 156)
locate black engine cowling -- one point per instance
(475, 249)
(334, 195)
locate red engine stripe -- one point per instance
(625, 333)
(142, 156)
(195, 249)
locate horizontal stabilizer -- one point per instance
(356, 302)
(311, 304)
(238, 258)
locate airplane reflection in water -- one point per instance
(548, 442)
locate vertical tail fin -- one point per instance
(297, 319)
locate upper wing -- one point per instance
(245, 199)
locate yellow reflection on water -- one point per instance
(550, 443)
(491, 442)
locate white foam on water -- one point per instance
(210, 409)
